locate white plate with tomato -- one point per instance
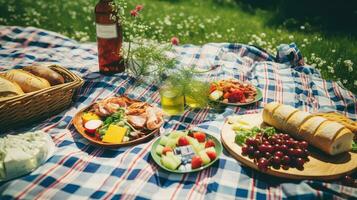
(234, 92)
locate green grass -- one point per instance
(197, 22)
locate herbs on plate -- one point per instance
(243, 134)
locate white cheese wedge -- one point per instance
(17, 162)
(23, 153)
(41, 152)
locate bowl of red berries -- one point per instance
(186, 151)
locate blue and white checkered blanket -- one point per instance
(79, 170)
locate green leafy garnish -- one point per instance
(243, 134)
(116, 118)
(354, 146)
(270, 131)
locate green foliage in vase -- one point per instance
(149, 59)
(191, 86)
(142, 57)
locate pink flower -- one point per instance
(175, 41)
(134, 13)
(139, 8)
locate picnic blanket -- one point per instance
(79, 170)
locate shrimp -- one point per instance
(154, 118)
(137, 108)
(100, 110)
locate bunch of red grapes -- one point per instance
(279, 150)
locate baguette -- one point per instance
(281, 115)
(268, 112)
(329, 136)
(333, 116)
(307, 129)
(27, 81)
(326, 137)
(51, 76)
(295, 121)
(9, 88)
(341, 143)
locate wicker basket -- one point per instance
(34, 106)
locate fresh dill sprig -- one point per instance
(191, 86)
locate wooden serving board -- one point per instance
(321, 166)
(78, 124)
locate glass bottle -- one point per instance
(109, 39)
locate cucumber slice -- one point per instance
(169, 162)
(159, 149)
(176, 134)
(204, 157)
(211, 149)
(174, 157)
(215, 95)
(163, 140)
(171, 142)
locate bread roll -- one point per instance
(27, 81)
(329, 136)
(9, 88)
(295, 121)
(51, 76)
(307, 129)
(268, 112)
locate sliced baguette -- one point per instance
(342, 142)
(281, 115)
(325, 135)
(295, 121)
(268, 112)
(329, 136)
(308, 128)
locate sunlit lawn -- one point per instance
(197, 22)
